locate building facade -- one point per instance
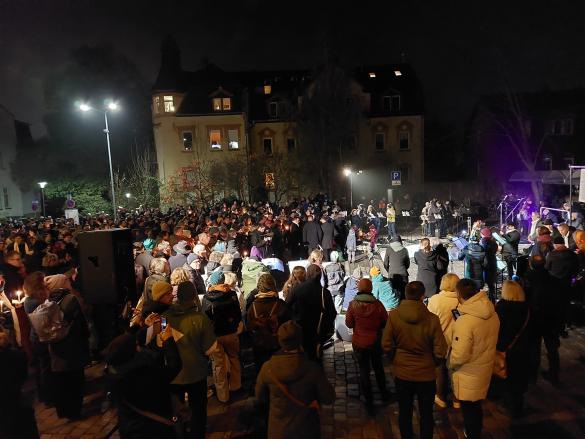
(254, 125)
(13, 203)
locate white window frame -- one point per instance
(226, 104)
(6, 198)
(184, 140)
(217, 147)
(231, 141)
(264, 139)
(400, 133)
(169, 103)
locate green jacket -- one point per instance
(194, 335)
(251, 271)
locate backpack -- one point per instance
(49, 322)
(225, 315)
(264, 328)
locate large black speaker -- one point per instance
(106, 266)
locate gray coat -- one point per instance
(328, 233)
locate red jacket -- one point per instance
(367, 316)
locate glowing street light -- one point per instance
(128, 195)
(42, 185)
(349, 173)
(110, 106)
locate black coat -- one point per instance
(474, 256)
(545, 302)
(341, 232)
(328, 231)
(513, 316)
(427, 271)
(223, 309)
(510, 248)
(13, 279)
(562, 264)
(306, 302)
(312, 234)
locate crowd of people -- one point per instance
(275, 281)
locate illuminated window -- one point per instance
(221, 104)
(215, 139)
(397, 73)
(274, 110)
(169, 104)
(156, 104)
(187, 140)
(404, 139)
(217, 104)
(291, 144)
(233, 139)
(372, 75)
(226, 104)
(267, 144)
(267, 89)
(380, 141)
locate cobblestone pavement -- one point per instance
(550, 412)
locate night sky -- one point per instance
(459, 49)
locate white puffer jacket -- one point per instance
(441, 305)
(473, 348)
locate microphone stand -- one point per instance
(514, 209)
(501, 207)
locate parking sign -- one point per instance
(396, 178)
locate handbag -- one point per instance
(500, 363)
(306, 416)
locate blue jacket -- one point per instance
(383, 291)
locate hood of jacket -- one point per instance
(218, 292)
(378, 278)
(288, 367)
(181, 309)
(478, 306)
(250, 264)
(412, 311)
(396, 246)
(365, 297)
(352, 283)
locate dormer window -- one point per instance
(267, 89)
(156, 104)
(221, 104)
(169, 104)
(372, 74)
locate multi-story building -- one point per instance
(242, 118)
(13, 133)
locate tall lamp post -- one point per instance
(42, 185)
(128, 195)
(111, 106)
(349, 173)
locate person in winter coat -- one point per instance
(373, 235)
(290, 384)
(426, 260)
(441, 305)
(341, 231)
(415, 341)
(351, 245)
(252, 268)
(367, 317)
(563, 265)
(510, 248)
(13, 271)
(474, 256)
(391, 220)
(546, 313)
(221, 305)
(140, 376)
(335, 276)
(162, 298)
(265, 313)
(18, 419)
(194, 335)
(350, 290)
(516, 339)
(193, 267)
(383, 290)
(327, 238)
(314, 310)
(297, 276)
(159, 272)
(396, 263)
(473, 349)
(69, 355)
(490, 247)
(441, 259)
(312, 233)
(181, 250)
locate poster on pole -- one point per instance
(582, 186)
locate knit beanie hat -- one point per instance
(192, 257)
(486, 233)
(365, 286)
(290, 335)
(215, 278)
(186, 292)
(161, 289)
(57, 282)
(374, 271)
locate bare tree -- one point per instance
(143, 183)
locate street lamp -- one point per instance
(111, 106)
(349, 173)
(42, 185)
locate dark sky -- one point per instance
(459, 49)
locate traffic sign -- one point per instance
(396, 178)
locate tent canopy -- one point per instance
(546, 177)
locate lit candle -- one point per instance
(18, 294)
(1, 307)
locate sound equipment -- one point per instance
(106, 266)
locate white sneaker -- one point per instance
(440, 402)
